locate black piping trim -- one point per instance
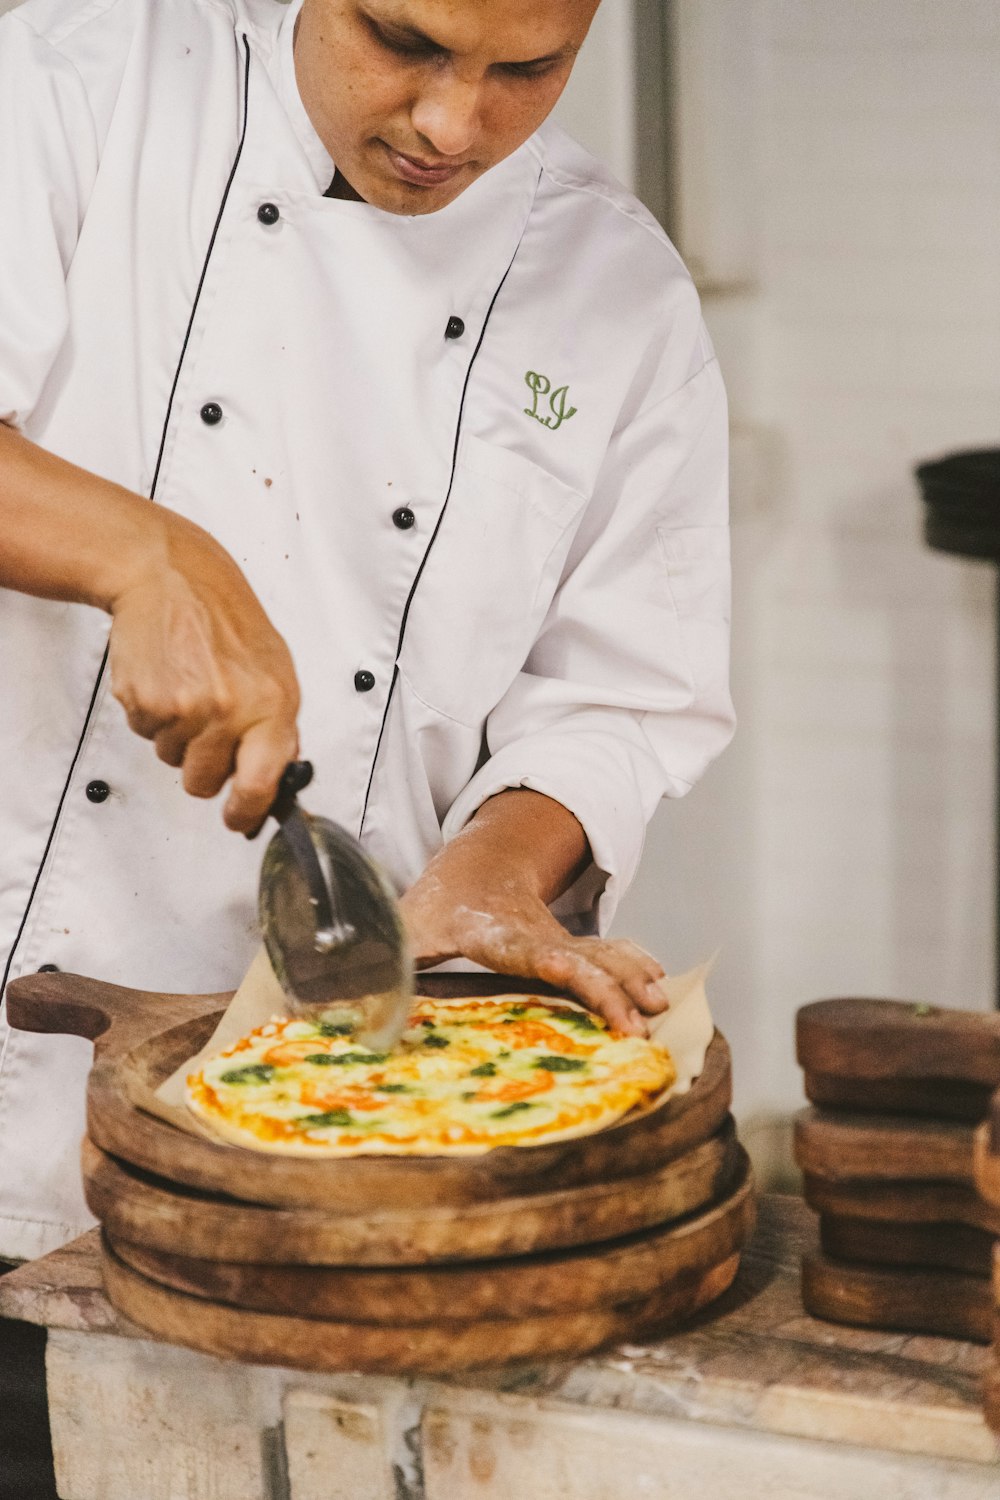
(55, 824)
(204, 269)
(152, 491)
(434, 533)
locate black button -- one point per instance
(98, 791)
(455, 328)
(403, 518)
(211, 413)
(269, 213)
(49, 969)
(364, 681)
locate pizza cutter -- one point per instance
(331, 923)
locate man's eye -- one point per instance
(402, 46)
(528, 69)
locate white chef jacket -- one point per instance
(556, 615)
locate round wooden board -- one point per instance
(908, 1301)
(991, 1391)
(947, 1247)
(524, 1287)
(987, 1166)
(639, 1142)
(944, 1098)
(158, 1215)
(429, 1349)
(869, 1147)
(893, 1039)
(902, 1202)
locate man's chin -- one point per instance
(394, 196)
(411, 201)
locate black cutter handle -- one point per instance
(294, 779)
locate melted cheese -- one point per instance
(468, 1076)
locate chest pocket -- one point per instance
(488, 581)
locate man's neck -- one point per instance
(341, 188)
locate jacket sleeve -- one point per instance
(624, 698)
(48, 163)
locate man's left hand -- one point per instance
(484, 897)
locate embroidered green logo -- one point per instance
(541, 385)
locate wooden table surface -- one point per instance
(758, 1362)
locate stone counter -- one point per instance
(756, 1402)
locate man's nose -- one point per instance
(446, 114)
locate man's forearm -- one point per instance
(66, 534)
(531, 838)
(517, 854)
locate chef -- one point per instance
(344, 405)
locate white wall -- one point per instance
(598, 103)
(841, 200)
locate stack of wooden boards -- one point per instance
(392, 1264)
(988, 1182)
(888, 1157)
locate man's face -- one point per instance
(415, 99)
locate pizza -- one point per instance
(468, 1075)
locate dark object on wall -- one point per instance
(961, 494)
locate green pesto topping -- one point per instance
(252, 1073)
(335, 1028)
(485, 1070)
(345, 1059)
(330, 1117)
(511, 1109)
(433, 1040)
(581, 1022)
(561, 1064)
(393, 1088)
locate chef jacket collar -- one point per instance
(282, 71)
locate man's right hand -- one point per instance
(194, 659)
(200, 671)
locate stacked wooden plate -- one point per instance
(397, 1264)
(888, 1157)
(987, 1153)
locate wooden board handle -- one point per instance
(115, 1018)
(895, 1039)
(107, 1014)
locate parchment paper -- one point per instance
(686, 1030)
